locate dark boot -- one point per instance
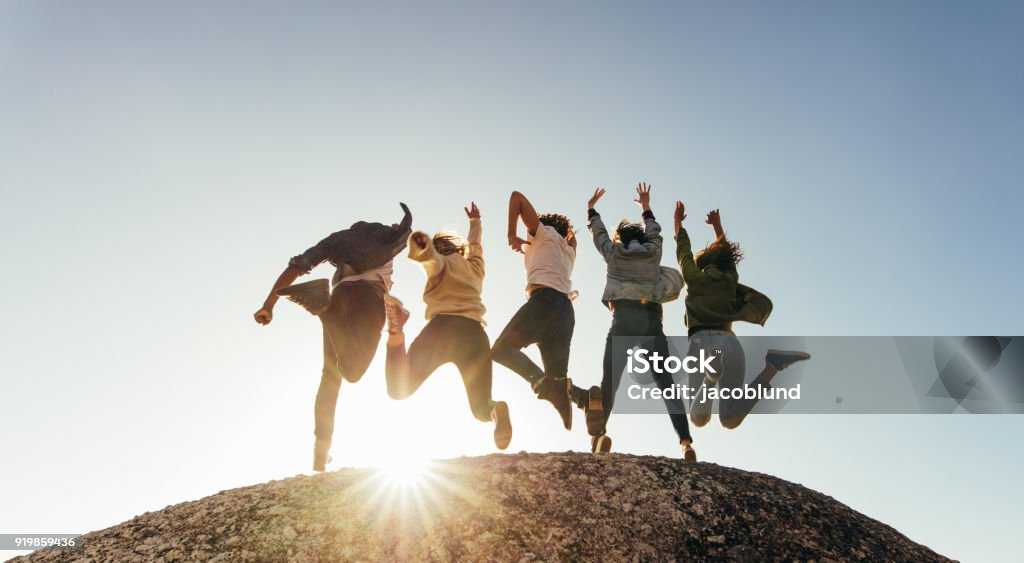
(557, 391)
(782, 359)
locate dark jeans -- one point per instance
(547, 320)
(446, 338)
(638, 324)
(352, 326)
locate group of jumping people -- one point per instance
(356, 305)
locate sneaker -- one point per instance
(689, 454)
(600, 444)
(313, 296)
(320, 460)
(558, 392)
(502, 425)
(782, 359)
(397, 314)
(594, 410)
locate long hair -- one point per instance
(557, 222)
(722, 253)
(628, 232)
(446, 243)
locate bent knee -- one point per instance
(353, 370)
(502, 349)
(730, 421)
(397, 394)
(700, 420)
(483, 414)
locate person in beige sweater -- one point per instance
(455, 327)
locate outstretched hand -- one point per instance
(473, 212)
(643, 195)
(680, 215)
(714, 218)
(594, 198)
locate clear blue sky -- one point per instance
(160, 163)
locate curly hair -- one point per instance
(628, 232)
(446, 243)
(722, 253)
(560, 223)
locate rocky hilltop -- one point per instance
(565, 506)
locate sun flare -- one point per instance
(405, 472)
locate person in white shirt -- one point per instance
(547, 319)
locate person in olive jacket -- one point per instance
(714, 300)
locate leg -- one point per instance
(406, 371)
(354, 322)
(524, 329)
(351, 332)
(735, 410)
(554, 347)
(473, 359)
(615, 349)
(697, 385)
(676, 408)
(556, 387)
(326, 396)
(734, 363)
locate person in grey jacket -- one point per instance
(636, 287)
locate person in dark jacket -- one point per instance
(350, 308)
(714, 300)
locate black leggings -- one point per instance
(546, 320)
(352, 326)
(446, 338)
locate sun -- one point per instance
(405, 472)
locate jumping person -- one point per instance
(714, 300)
(636, 287)
(547, 319)
(350, 308)
(454, 331)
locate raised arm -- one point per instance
(684, 252)
(598, 231)
(715, 220)
(520, 208)
(421, 249)
(651, 227)
(475, 252)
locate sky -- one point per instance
(159, 164)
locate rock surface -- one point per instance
(522, 507)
